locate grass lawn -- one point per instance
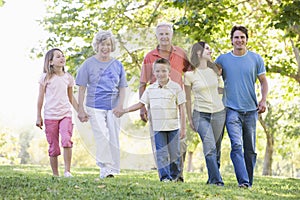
(36, 182)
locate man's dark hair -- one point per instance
(239, 28)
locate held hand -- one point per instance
(261, 108)
(118, 112)
(82, 116)
(192, 126)
(182, 134)
(190, 120)
(144, 114)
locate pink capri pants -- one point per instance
(63, 126)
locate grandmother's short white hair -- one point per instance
(169, 25)
(101, 36)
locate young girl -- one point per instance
(56, 86)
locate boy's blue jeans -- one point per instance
(241, 128)
(167, 145)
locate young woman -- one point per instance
(208, 116)
(56, 86)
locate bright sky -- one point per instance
(19, 74)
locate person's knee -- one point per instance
(67, 142)
(54, 150)
(237, 146)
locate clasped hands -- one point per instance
(118, 112)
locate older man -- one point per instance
(177, 58)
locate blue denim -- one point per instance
(210, 127)
(241, 128)
(167, 145)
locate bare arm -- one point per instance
(72, 99)
(40, 101)
(143, 111)
(83, 117)
(120, 112)
(182, 120)
(188, 105)
(262, 105)
(133, 107)
(122, 94)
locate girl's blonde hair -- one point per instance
(48, 68)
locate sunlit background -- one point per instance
(19, 74)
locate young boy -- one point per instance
(165, 98)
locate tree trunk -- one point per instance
(267, 170)
(190, 161)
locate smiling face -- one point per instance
(206, 54)
(239, 41)
(161, 72)
(58, 60)
(164, 36)
(104, 49)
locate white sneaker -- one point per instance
(103, 173)
(68, 175)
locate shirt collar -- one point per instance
(156, 52)
(156, 84)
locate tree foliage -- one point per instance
(287, 19)
(273, 26)
(273, 33)
(2, 3)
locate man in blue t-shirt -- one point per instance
(241, 68)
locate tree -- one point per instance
(287, 19)
(24, 141)
(2, 3)
(72, 24)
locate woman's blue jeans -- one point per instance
(210, 127)
(241, 128)
(167, 145)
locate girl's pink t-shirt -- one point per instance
(57, 104)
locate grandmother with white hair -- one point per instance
(102, 78)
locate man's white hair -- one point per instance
(169, 25)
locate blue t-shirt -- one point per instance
(102, 80)
(239, 75)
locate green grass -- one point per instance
(36, 182)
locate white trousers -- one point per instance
(106, 129)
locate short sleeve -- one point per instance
(261, 66)
(123, 81)
(71, 80)
(180, 96)
(145, 97)
(146, 71)
(187, 80)
(42, 79)
(82, 75)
